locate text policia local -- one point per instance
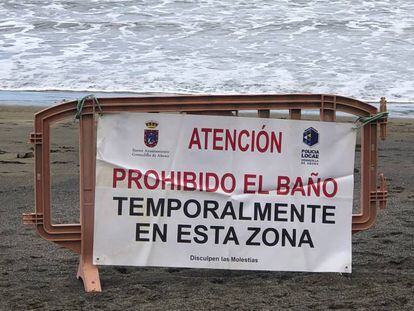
(152, 180)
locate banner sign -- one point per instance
(177, 190)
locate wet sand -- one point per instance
(36, 274)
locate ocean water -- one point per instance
(358, 48)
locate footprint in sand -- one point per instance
(11, 162)
(397, 189)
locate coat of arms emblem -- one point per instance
(151, 134)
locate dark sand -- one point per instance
(36, 274)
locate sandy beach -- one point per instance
(38, 275)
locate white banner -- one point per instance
(176, 190)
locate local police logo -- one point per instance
(310, 136)
(151, 134)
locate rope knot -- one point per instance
(81, 103)
(365, 120)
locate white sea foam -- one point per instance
(362, 49)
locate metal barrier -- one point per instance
(79, 237)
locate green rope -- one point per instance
(81, 103)
(365, 120)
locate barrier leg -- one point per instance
(87, 271)
(89, 275)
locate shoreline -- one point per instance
(310, 114)
(396, 107)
